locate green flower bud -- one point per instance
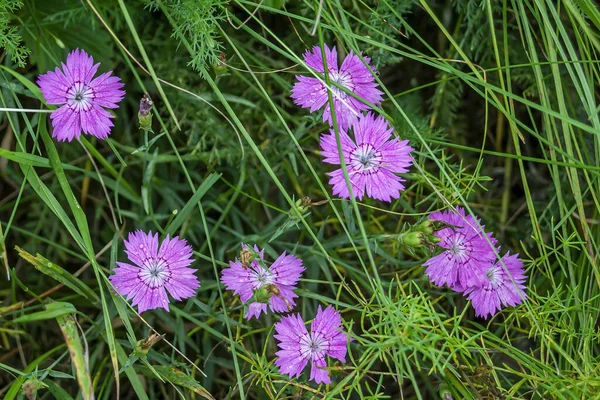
(144, 115)
(263, 294)
(143, 346)
(414, 239)
(220, 66)
(31, 386)
(426, 227)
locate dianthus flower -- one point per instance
(155, 269)
(353, 75)
(372, 162)
(279, 281)
(467, 253)
(297, 346)
(499, 289)
(83, 99)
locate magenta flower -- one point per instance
(82, 97)
(283, 276)
(155, 269)
(372, 162)
(297, 346)
(499, 289)
(467, 256)
(353, 75)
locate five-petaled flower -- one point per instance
(310, 92)
(298, 346)
(83, 99)
(467, 252)
(372, 162)
(503, 286)
(155, 271)
(282, 277)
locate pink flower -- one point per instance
(467, 253)
(155, 271)
(297, 346)
(499, 289)
(372, 162)
(283, 275)
(83, 99)
(311, 92)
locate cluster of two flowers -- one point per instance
(158, 269)
(375, 155)
(469, 264)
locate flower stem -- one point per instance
(25, 110)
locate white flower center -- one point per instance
(343, 79)
(458, 246)
(315, 346)
(494, 275)
(155, 273)
(80, 97)
(365, 159)
(262, 277)
(310, 346)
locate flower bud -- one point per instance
(414, 239)
(220, 66)
(144, 115)
(31, 386)
(426, 227)
(263, 294)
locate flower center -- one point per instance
(343, 79)
(314, 345)
(262, 277)
(80, 97)
(459, 245)
(155, 273)
(365, 159)
(311, 345)
(494, 275)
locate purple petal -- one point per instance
(66, 124)
(290, 332)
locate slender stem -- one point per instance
(26, 110)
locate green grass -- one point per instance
(499, 99)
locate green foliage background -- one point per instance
(499, 98)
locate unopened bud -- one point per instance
(144, 115)
(426, 227)
(31, 386)
(414, 239)
(263, 294)
(220, 65)
(303, 204)
(151, 341)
